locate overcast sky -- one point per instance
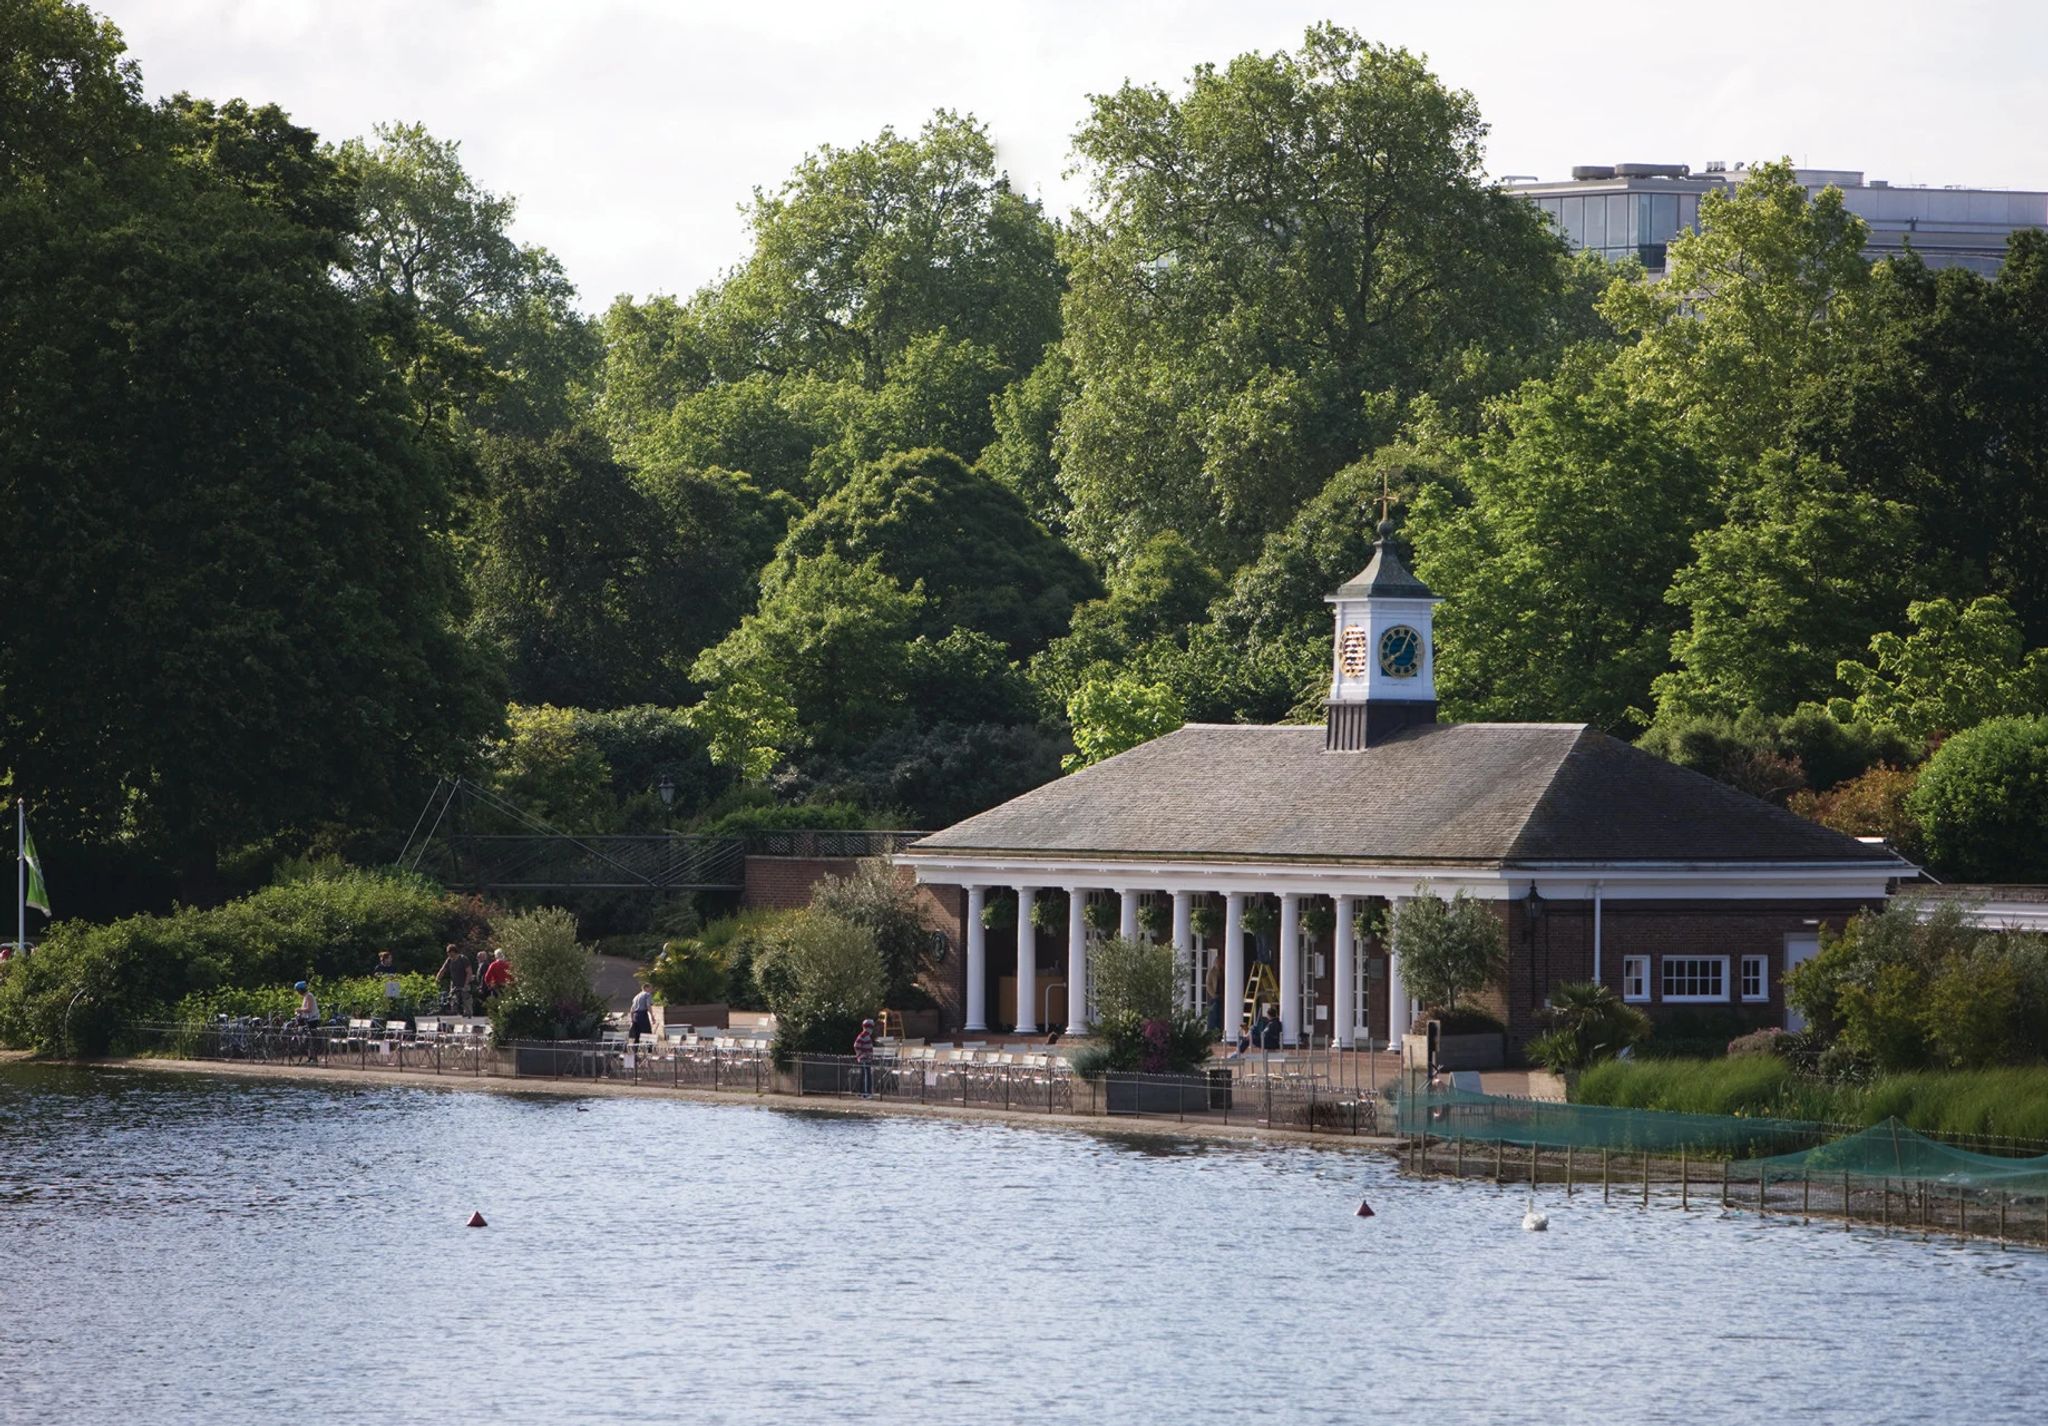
(631, 130)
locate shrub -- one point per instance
(1448, 949)
(1588, 1024)
(1768, 1041)
(1138, 1023)
(874, 898)
(324, 921)
(1469, 1020)
(1699, 1032)
(358, 996)
(822, 975)
(1982, 800)
(2010, 1102)
(551, 996)
(687, 973)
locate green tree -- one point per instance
(822, 976)
(503, 342)
(552, 995)
(1982, 801)
(1805, 569)
(864, 250)
(1552, 545)
(875, 898)
(1758, 306)
(1026, 415)
(245, 617)
(1960, 665)
(1293, 232)
(1153, 600)
(548, 770)
(1112, 715)
(927, 519)
(1588, 1023)
(71, 96)
(1944, 406)
(1449, 950)
(830, 642)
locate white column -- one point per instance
(1290, 968)
(1184, 945)
(977, 961)
(1233, 965)
(1077, 961)
(1027, 962)
(1345, 950)
(1400, 1012)
(1127, 913)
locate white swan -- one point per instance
(1532, 1221)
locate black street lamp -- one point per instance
(667, 789)
(1532, 912)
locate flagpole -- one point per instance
(20, 877)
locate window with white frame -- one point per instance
(1756, 984)
(1694, 978)
(1635, 977)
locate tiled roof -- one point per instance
(1469, 793)
(1386, 577)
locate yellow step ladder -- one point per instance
(1259, 988)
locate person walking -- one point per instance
(386, 970)
(643, 1016)
(453, 978)
(498, 974)
(476, 978)
(864, 1058)
(308, 1019)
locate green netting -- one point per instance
(1446, 1113)
(1890, 1151)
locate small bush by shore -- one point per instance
(2004, 1102)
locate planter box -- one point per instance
(1163, 1093)
(703, 1017)
(1456, 1052)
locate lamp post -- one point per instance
(667, 790)
(1532, 911)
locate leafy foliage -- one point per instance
(1110, 716)
(552, 996)
(885, 904)
(1448, 949)
(822, 976)
(1588, 1023)
(1982, 800)
(1960, 666)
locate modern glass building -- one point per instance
(1634, 210)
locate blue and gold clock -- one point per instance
(1400, 652)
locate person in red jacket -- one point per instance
(498, 974)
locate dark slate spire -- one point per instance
(1387, 577)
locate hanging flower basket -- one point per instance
(1155, 919)
(1100, 916)
(1371, 924)
(999, 914)
(1207, 922)
(1259, 917)
(1049, 911)
(1319, 918)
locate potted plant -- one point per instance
(1049, 911)
(1319, 918)
(1259, 917)
(1100, 916)
(999, 914)
(1207, 922)
(1155, 919)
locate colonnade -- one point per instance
(1344, 987)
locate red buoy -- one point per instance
(1364, 1209)
(476, 1220)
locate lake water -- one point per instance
(178, 1248)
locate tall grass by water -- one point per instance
(2011, 1103)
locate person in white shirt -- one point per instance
(643, 1014)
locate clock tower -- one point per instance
(1383, 659)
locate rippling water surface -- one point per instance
(178, 1248)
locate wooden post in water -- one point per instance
(1724, 1185)
(1497, 1150)
(1805, 1198)
(1845, 1200)
(1646, 1179)
(1567, 1172)
(1887, 1210)
(1684, 1182)
(1461, 1155)
(1962, 1213)
(1603, 1176)
(2001, 1219)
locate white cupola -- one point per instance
(1383, 654)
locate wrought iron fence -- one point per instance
(1221, 1095)
(827, 845)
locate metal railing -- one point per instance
(826, 845)
(1241, 1095)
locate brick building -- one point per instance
(1289, 848)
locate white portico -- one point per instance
(1291, 846)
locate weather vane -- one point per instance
(1386, 498)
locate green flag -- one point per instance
(38, 894)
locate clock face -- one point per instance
(1400, 652)
(1351, 652)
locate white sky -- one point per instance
(631, 130)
